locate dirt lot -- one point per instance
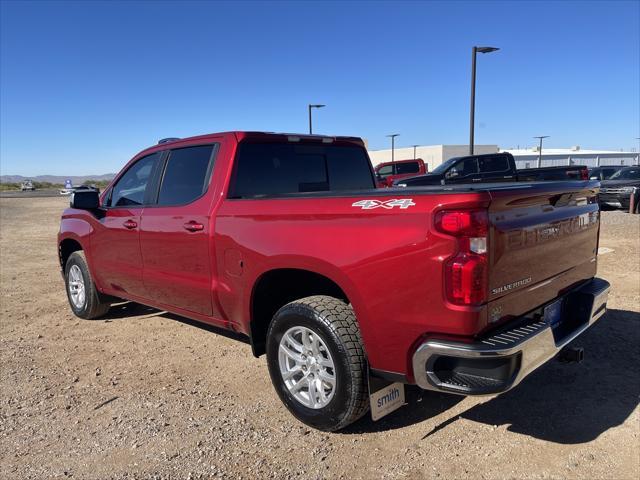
(145, 395)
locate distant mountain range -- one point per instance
(76, 179)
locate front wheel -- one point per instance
(81, 290)
(317, 363)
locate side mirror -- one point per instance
(86, 200)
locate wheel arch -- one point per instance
(66, 247)
(277, 287)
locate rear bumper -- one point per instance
(499, 362)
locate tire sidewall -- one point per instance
(325, 418)
(86, 277)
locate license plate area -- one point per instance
(553, 313)
(568, 314)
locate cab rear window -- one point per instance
(266, 169)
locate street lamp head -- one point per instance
(542, 136)
(393, 135)
(316, 105)
(487, 49)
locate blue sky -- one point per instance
(84, 86)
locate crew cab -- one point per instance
(389, 172)
(492, 167)
(351, 291)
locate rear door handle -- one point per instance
(193, 226)
(130, 224)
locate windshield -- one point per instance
(630, 174)
(444, 166)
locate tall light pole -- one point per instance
(414, 151)
(310, 107)
(393, 145)
(474, 51)
(541, 137)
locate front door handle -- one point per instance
(130, 224)
(193, 226)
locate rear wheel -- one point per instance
(83, 297)
(316, 362)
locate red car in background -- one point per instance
(389, 172)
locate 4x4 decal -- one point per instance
(403, 203)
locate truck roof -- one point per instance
(241, 135)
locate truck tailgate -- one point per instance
(543, 242)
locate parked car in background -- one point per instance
(27, 186)
(284, 238)
(616, 192)
(389, 172)
(79, 188)
(490, 168)
(603, 173)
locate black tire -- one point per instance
(92, 307)
(335, 324)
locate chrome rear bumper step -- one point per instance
(500, 361)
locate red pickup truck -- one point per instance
(284, 238)
(389, 172)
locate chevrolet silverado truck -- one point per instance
(284, 238)
(491, 168)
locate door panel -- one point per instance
(116, 252)
(175, 233)
(116, 246)
(176, 260)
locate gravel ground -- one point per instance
(144, 394)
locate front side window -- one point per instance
(186, 175)
(630, 174)
(463, 168)
(131, 187)
(494, 164)
(280, 168)
(409, 167)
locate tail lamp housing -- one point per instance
(466, 272)
(584, 173)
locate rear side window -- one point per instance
(186, 175)
(274, 168)
(130, 189)
(409, 167)
(493, 164)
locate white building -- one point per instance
(528, 158)
(433, 155)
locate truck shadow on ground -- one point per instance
(561, 403)
(124, 310)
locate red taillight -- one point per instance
(466, 272)
(584, 173)
(468, 223)
(466, 279)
